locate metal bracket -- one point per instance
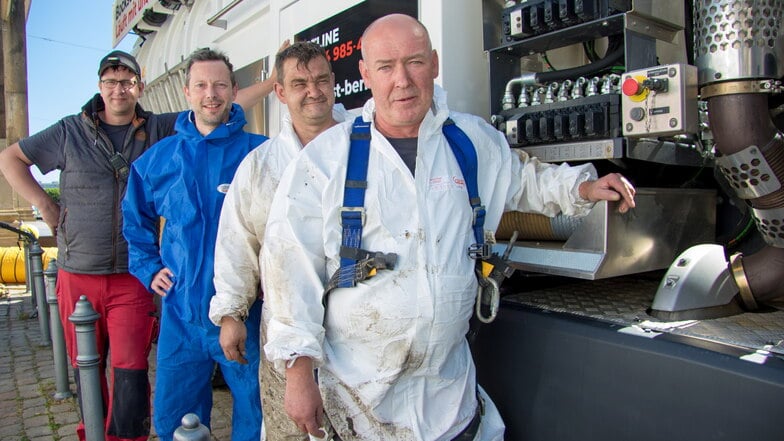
(216, 20)
(657, 29)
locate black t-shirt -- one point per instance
(407, 149)
(116, 134)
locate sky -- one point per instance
(66, 40)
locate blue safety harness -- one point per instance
(357, 264)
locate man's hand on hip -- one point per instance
(162, 282)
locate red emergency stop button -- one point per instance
(634, 87)
(631, 87)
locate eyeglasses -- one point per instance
(125, 84)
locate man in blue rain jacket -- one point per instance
(183, 180)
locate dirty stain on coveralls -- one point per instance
(393, 359)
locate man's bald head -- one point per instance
(382, 27)
(399, 66)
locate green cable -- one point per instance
(547, 60)
(742, 234)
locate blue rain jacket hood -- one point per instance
(183, 179)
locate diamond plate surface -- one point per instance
(624, 301)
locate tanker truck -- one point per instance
(666, 322)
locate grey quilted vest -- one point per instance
(89, 236)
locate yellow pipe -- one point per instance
(12, 263)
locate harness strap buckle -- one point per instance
(478, 214)
(384, 260)
(480, 251)
(372, 259)
(352, 213)
(367, 263)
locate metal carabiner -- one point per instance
(494, 301)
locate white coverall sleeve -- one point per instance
(293, 266)
(237, 247)
(549, 189)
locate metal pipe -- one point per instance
(62, 388)
(29, 238)
(739, 121)
(763, 270)
(508, 102)
(39, 291)
(88, 364)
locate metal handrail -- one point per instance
(30, 236)
(214, 20)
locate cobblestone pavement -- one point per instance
(28, 409)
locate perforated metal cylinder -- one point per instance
(738, 39)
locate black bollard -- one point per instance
(192, 429)
(28, 271)
(62, 389)
(88, 362)
(39, 292)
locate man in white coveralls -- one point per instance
(393, 361)
(305, 84)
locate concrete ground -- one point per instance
(28, 409)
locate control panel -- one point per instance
(658, 101)
(572, 109)
(535, 17)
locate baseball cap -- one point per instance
(119, 58)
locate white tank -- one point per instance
(251, 31)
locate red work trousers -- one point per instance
(124, 334)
